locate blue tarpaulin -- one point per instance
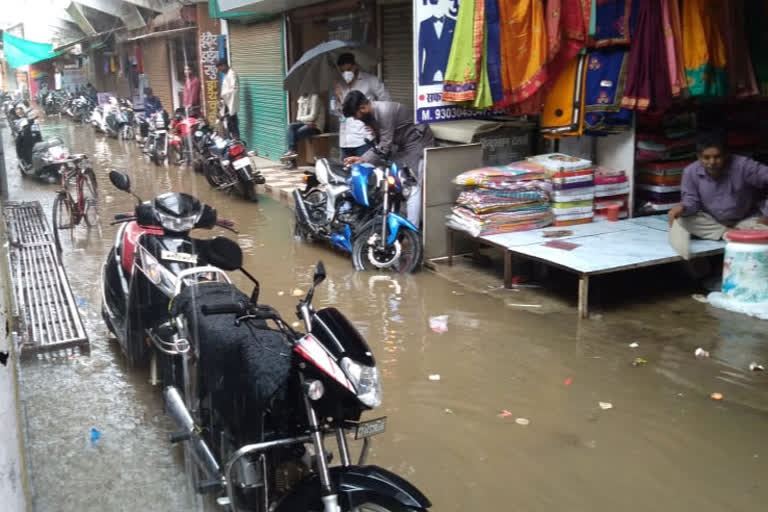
(21, 52)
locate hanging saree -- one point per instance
(604, 90)
(523, 49)
(703, 49)
(567, 24)
(462, 72)
(647, 62)
(612, 22)
(672, 45)
(741, 75)
(483, 99)
(563, 112)
(757, 19)
(493, 50)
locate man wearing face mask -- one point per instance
(721, 192)
(393, 130)
(352, 132)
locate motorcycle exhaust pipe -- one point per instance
(301, 209)
(174, 404)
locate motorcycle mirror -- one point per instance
(319, 274)
(255, 292)
(225, 254)
(120, 180)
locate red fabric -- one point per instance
(139, 61)
(192, 92)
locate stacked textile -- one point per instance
(573, 187)
(611, 189)
(502, 199)
(665, 146)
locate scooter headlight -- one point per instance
(157, 273)
(177, 224)
(366, 381)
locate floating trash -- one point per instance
(297, 292)
(605, 405)
(755, 367)
(701, 353)
(522, 421)
(716, 396)
(439, 324)
(639, 361)
(505, 414)
(434, 376)
(634, 344)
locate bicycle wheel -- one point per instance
(90, 199)
(62, 218)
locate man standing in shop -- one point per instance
(721, 192)
(191, 91)
(352, 132)
(393, 130)
(152, 103)
(229, 90)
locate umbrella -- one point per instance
(316, 70)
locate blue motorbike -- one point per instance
(355, 209)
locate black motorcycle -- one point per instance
(227, 166)
(152, 255)
(156, 142)
(254, 404)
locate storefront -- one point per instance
(395, 42)
(257, 57)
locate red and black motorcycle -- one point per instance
(183, 127)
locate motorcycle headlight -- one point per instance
(366, 381)
(177, 224)
(157, 273)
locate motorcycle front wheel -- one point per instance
(367, 254)
(91, 198)
(373, 507)
(212, 175)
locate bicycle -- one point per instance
(68, 210)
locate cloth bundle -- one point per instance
(502, 199)
(573, 187)
(611, 189)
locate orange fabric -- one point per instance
(523, 48)
(563, 113)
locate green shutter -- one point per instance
(257, 58)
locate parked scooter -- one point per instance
(355, 209)
(38, 158)
(152, 254)
(99, 118)
(117, 121)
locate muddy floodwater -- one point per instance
(498, 411)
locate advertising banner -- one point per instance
(434, 22)
(208, 52)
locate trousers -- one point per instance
(297, 131)
(703, 225)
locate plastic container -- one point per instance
(745, 267)
(612, 213)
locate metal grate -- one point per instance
(47, 318)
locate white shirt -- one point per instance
(352, 133)
(229, 88)
(311, 110)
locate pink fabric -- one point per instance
(672, 41)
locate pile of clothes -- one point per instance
(513, 197)
(573, 185)
(611, 190)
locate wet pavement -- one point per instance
(663, 445)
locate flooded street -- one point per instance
(664, 445)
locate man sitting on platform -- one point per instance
(721, 192)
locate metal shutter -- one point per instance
(154, 54)
(257, 58)
(397, 51)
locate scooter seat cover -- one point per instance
(249, 357)
(47, 144)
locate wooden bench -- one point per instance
(317, 146)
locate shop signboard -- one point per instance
(434, 22)
(208, 52)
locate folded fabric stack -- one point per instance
(659, 184)
(611, 189)
(573, 185)
(502, 199)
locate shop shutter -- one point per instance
(157, 70)
(257, 58)
(397, 51)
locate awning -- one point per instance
(21, 52)
(161, 33)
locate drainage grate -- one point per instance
(45, 310)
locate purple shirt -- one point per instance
(739, 193)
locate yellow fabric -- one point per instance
(523, 48)
(704, 52)
(562, 116)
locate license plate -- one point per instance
(243, 162)
(370, 428)
(181, 257)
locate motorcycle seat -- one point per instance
(234, 358)
(338, 174)
(39, 147)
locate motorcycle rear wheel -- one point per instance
(212, 176)
(408, 261)
(248, 189)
